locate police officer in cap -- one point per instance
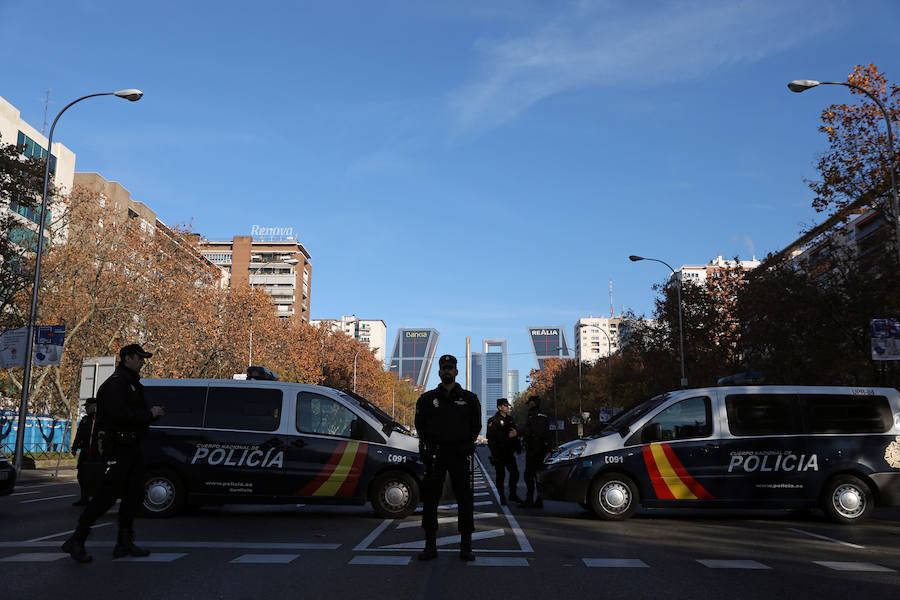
(448, 419)
(122, 418)
(536, 435)
(504, 442)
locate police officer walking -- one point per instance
(122, 418)
(448, 419)
(85, 444)
(536, 435)
(504, 442)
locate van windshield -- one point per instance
(385, 419)
(626, 419)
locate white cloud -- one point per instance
(602, 46)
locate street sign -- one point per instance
(885, 335)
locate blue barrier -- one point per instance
(43, 433)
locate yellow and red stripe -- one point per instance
(340, 475)
(670, 479)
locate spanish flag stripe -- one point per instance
(331, 487)
(350, 485)
(325, 473)
(659, 486)
(685, 477)
(679, 490)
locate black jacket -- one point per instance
(449, 420)
(536, 432)
(498, 429)
(120, 403)
(86, 439)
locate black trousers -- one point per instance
(437, 466)
(532, 462)
(90, 474)
(123, 479)
(502, 463)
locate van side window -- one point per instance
(689, 418)
(184, 404)
(761, 414)
(843, 413)
(323, 415)
(249, 409)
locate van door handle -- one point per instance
(709, 448)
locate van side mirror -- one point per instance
(651, 432)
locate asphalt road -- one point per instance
(345, 552)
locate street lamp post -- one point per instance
(132, 96)
(355, 356)
(608, 362)
(633, 258)
(801, 85)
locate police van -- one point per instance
(267, 442)
(836, 448)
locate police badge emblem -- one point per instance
(892, 453)
(436, 403)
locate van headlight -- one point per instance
(569, 451)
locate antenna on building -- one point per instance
(46, 106)
(612, 311)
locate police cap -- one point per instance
(447, 360)
(536, 400)
(132, 349)
(502, 402)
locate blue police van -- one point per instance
(835, 448)
(267, 442)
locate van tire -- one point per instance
(614, 497)
(164, 493)
(847, 499)
(395, 495)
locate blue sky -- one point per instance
(446, 163)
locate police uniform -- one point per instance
(447, 421)
(89, 464)
(503, 451)
(536, 435)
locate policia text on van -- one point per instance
(227, 441)
(754, 446)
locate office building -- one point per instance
(548, 342)
(281, 267)
(371, 332)
(413, 355)
(512, 384)
(490, 376)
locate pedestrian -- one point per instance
(536, 435)
(448, 420)
(504, 443)
(85, 444)
(122, 418)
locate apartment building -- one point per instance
(372, 332)
(598, 337)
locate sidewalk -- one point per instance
(44, 473)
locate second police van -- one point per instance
(836, 448)
(233, 441)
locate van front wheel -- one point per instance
(847, 499)
(614, 497)
(395, 495)
(164, 493)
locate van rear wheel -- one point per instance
(395, 495)
(847, 499)
(614, 497)
(164, 493)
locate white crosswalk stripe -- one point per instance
(614, 562)
(854, 566)
(268, 559)
(732, 564)
(156, 557)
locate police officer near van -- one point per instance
(536, 435)
(504, 443)
(85, 444)
(448, 420)
(122, 418)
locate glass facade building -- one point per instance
(413, 354)
(490, 377)
(548, 342)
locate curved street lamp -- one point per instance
(355, 356)
(633, 258)
(801, 85)
(131, 95)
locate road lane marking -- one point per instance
(444, 520)
(524, 545)
(35, 557)
(69, 532)
(827, 539)
(50, 498)
(499, 561)
(267, 559)
(380, 560)
(732, 564)
(615, 562)
(853, 566)
(23, 493)
(186, 544)
(445, 540)
(155, 557)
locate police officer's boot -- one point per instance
(465, 547)
(502, 497)
(430, 551)
(514, 497)
(527, 502)
(75, 545)
(125, 545)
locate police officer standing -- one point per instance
(448, 419)
(122, 418)
(536, 435)
(85, 444)
(504, 442)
